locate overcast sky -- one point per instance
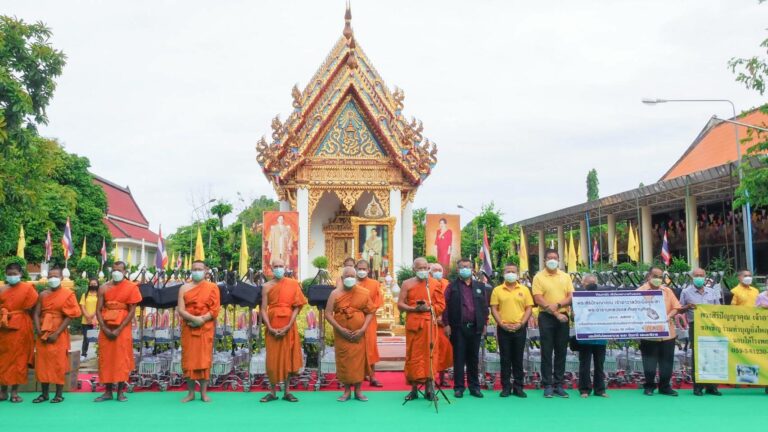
(523, 98)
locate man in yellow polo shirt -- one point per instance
(552, 291)
(744, 294)
(511, 304)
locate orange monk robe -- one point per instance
(284, 355)
(418, 332)
(51, 359)
(443, 347)
(116, 355)
(377, 300)
(197, 342)
(17, 336)
(349, 310)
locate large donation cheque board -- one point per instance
(731, 345)
(620, 314)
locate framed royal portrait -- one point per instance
(443, 239)
(280, 240)
(373, 243)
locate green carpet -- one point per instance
(625, 410)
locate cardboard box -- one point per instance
(70, 380)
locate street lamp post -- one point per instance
(746, 208)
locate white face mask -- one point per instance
(422, 274)
(552, 264)
(54, 282)
(362, 274)
(349, 282)
(117, 276)
(197, 275)
(437, 275)
(510, 277)
(747, 280)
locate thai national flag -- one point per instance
(66, 241)
(103, 252)
(161, 258)
(48, 246)
(665, 255)
(595, 251)
(179, 262)
(486, 252)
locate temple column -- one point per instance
(542, 248)
(302, 206)
(646, 243)
(691, 222)
(561, 246)
(408, 233)
(285, 205)
(612, 238)
(583, 242)
(395, 206)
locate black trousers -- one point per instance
(691, 340)
(661, 355)
(554, 336)
(511, 350)
(466, 353)
(84, 348)
(588, 353)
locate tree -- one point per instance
(221, 209)
(593, 192)
(500, 237)
(419, 236)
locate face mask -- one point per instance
(747, 280)
(422, 274)
(590, 287)
(465, 273)
(698, 282)
(54, 282)
(197, 275)
(117, 276)
(552, 264)
(13, 280)
(510, 277)
(349, 282)
(279, 272)
(93, 287)
(437, 275)
(656, 282)
(362, 274)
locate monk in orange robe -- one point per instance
(17, 338)
(281, 301)
(199, 304)
(56, 306)
(350, 312)
(377, 300)
(443, 348)
(420, 328)
(115, 309)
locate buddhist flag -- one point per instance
(486, 255)
(523, 253)
(103, 252)
(571, 262)
(82, 252)
(615, 252)
(161, 257)
(21, 244)
(666, 256)
(48, 246)
(199, 250)
(66, 242)
(242, 268)
(179, 262)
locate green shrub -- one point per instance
(320, 262)
(89, 265)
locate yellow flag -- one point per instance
(115, 256)
(172, 262)
(128, 259)
(242, 268)
(523, 253)
(571, 264)
(696, 242)
(22, 243)
(199, 249)
(82, 253)
(615, 252)
(579, 258)
(187, 263)
(632, 249)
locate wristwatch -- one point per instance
(559, 306)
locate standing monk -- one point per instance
(420, 330)
(199, 303)
(17, 339)
(115, 309)
(54, 310)
(374, 290)
(443, 347)
(281, 301)
(350, 312)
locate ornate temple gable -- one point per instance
(346, 75)
(349, 135)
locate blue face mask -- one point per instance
(698, 281)
(465, 273)
(198, 275)
(279, 272)
(437, 275)
(13, 280)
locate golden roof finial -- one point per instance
(352, 59)
(348, 21)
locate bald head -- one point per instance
(277, 262)
(420, 264)
(348, 272)
(437, 267)
(589, 279)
